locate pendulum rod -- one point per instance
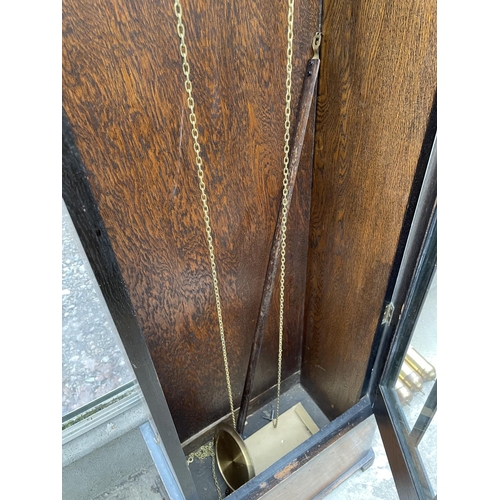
(305, 102)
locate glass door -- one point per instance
(405, 394)
(408, 387)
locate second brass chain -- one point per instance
(286, 160)
(204, 199)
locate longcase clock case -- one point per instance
(131, 188)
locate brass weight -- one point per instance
(420, 364)
(410, 377)
(404, 394)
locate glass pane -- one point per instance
(93, 362)
(419, 367)
(416, 386)
(422, 356)
(427, 450)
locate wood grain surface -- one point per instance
(123, 91)
(376, 87)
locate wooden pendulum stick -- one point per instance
(272, 266)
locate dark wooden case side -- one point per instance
(376, 88)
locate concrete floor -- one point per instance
(93, 362)
(143, 485)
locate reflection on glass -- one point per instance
(416, 385)
(418, 371)
(93, 363)
(427, 449)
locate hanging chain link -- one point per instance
(286, 160)
(203, 452)
(204, 199)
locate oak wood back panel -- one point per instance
(376, 87)
(123, 91)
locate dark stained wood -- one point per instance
(376, 87)
(306, 99)
(124, 95)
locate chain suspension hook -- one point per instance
(316, 43)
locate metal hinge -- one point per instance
(389, 310)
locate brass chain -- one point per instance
(206, 451)
(286, 160)
(204, 199)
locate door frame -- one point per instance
(398, 317)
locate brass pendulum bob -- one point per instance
(239, 460)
